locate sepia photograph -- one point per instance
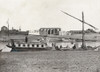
(49, 35)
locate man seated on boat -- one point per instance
(75, 45)
(12, 42)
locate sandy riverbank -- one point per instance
(50, 61)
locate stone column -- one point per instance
(50, 31)
(47, 31)
(54, 31)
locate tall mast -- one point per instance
(8, 26)
(80, 20)
(83, 32)
(83, 22)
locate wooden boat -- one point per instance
(33, 46)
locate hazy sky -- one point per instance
(34, 14)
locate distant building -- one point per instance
(64, 33)
(4, 28)
(90, 31)
(80, 31)
(75, 31)
(35, 32)
(49, 31)
(5, 31)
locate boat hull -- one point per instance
(14, 49)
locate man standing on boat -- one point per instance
(26, 39)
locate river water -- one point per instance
(6, 49)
